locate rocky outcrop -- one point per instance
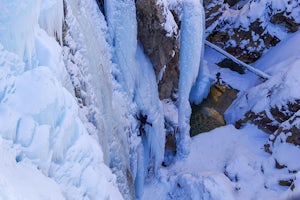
(244, 32)
(209, 114)
(287, 21)
(161, 46)
(246, 45)
(283, 123)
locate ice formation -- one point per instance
(39, 115)
(191, 54)
(72, 86)
(136, 75)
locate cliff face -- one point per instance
(246, 30)
(161, 46)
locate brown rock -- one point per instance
(170, 142)
(288, 22)
(231, 2)
(209, 114)
(286, 182)
(162, 50)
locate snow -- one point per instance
(288, 155)
(237, 61)
(169, 24)
(22, 180)
(276, 55)
(225, 163)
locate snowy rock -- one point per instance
(277, 111)
(247, 29)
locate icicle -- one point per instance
(17, 30)
(192, 29)
(51, 18)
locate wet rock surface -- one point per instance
(209, 114)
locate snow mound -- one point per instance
(22, 180)
(227, 163)
(207, 187)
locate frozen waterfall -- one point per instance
(72, 86)
(192, 69)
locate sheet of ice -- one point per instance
(105, 110)
(53, 133)
(49, 53)
(147, 99)
(134, 73)
(121, 19)
(51, 18)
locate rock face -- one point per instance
(161, 47)
(244, 32)
(209, 114)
